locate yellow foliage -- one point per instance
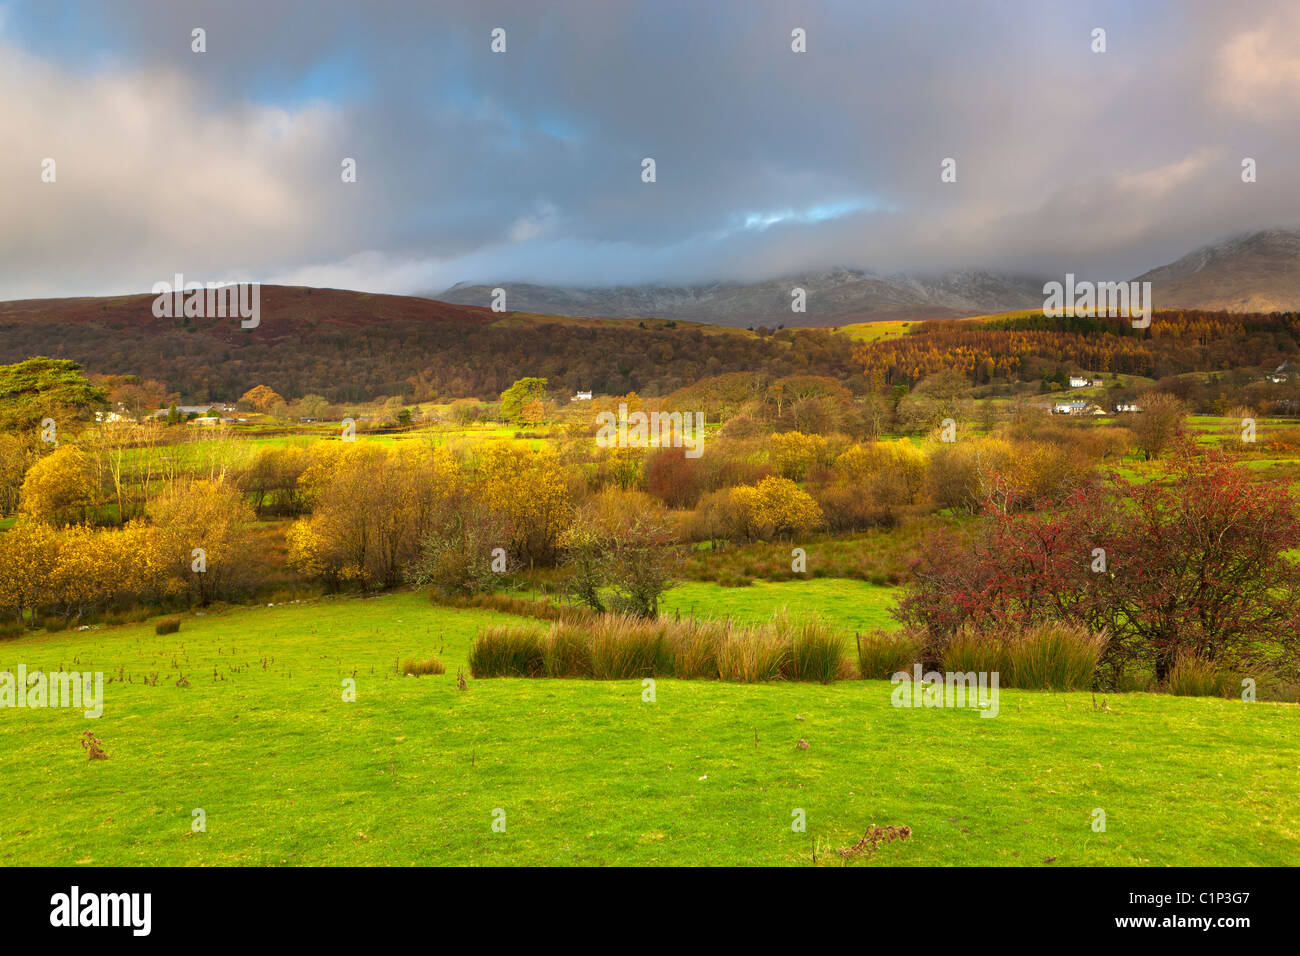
(794, 453)
(27, 559)
(775, 506)
(205, 522)
(531, 489)
(59, 488)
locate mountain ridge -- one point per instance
(1253, 271)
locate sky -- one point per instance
(527, 165)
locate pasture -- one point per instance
(586, 772)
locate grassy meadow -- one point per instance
(287, 772)
(279, 715)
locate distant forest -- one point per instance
(353, 347)
(1024, 347)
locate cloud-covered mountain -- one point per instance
(1252, 272)
(835, 297)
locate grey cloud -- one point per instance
(526, 166)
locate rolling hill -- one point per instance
(355, 346)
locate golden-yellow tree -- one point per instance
(531, 489)
(203, 533)
(60, 487)
(775, 506)
(28, 552)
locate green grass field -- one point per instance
(877, 331)
(587, 773)
(852, 605)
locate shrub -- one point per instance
(1279, 689)
(1212, 543)
(135, 614)
(507, 652)
(692, 649)
(750, 655)
(673, 478)
(414, 668)
(567, 652)
(1193, 676)
(456, 556)
(970, 650)
(734, 579)
(882, 654)
(775, 506)
(624, 646)
(619, 542)
(167, 625)
(1054, 657)
(816, 649)
(848, 509)
(1049, 656)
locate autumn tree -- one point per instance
(1198, 563)
(794, 453)
(313, 406)
(943, 395)
(891, 475)
(60, 488)
(16, 456)
(775, 506)
(261, 398)
(673, 477)
(371, 509)
(133, 392)
(271, 479)
(96, 569)
(519, 399)
(28, 552)
(618, 553)
(204, 532)
(1158, 424)
(532, 490)
(464, 552)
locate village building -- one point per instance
(1077, 408)
(1282, 374)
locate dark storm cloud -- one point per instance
(526, 165)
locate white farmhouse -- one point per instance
(1282, 374)
(1077, 408)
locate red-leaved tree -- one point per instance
(1197, 561)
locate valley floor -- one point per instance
(415, 771)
